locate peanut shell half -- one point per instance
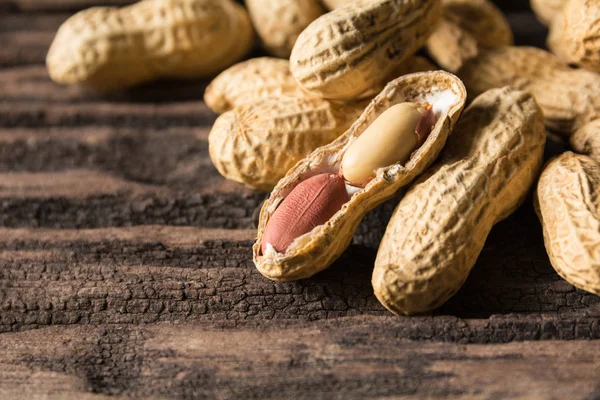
(316, 250)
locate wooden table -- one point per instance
(126, 270)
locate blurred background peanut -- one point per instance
(569, 97)
(279, 22)
(467, 26)
(575, 34)
(109, 48)
(546, 10)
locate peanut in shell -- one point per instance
(574, 34)
(569, 98)
(440, 226)
(586, 140)
(317, 249)
(279, 22)
(547, 10)
(247, 82)
(568, 205)
(347, 52)
(467, 26)
(108, 48)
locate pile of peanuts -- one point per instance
(345, 114)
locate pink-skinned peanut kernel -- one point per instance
(313, 202)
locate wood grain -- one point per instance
(148, 274)
(343, 359)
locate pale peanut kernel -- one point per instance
(390, 139)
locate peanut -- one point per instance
(257, 144)
(467, 26)
(440, 226)
(390, 139)
(574, 34)
(309, 204)
(108, 48)
(569, 97)
(313, 251)
(346, 52)
(586, 140)
(546, 10)
(279, 22)
(250, 81)
(568, 206)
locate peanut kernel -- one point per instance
(308, 205)
(390, 139)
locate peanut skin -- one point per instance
(312, 203)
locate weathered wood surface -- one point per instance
(125, 266)
(350, 358)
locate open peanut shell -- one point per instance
(317, 249)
